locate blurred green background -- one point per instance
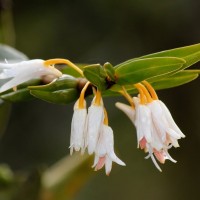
(96, 31)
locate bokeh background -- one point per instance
(96, 31)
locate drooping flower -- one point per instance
(156, 130)
(94, 122)
(78, 127)
(104, 152)
(23, 71)
(165, 126)
(79, 123)
(142, 121)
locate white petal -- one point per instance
(115, 159)
(173, 133)
(77, 128)
(152, 158)
(174, 142)
(155, 163)
(158, 119)
(156, 142)
(108, 165)
(101, 144)
(109, 144)
(24, 71)
(96, 159)
(143, 121)
(94, 123)
(170, 119)
(169, 157)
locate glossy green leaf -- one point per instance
(110, 71)
(96, 75)
(180, 78)
(175, 80)
(139, 70)
(18, 96)
(63, 82)
(61, 91)
(21, 94)
(191, 54)
(58, 97)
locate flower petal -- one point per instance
(94, 123)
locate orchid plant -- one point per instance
(60, 81)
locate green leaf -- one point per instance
(96, 75)
(177, 79)
(70, 71)
(110, 71)
(21, 94)
(17, 96)
(139, 70)
(191, 54)
(63, 82)
(11, 54)
(58, 97)
(61, 91)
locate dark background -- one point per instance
(96, 31)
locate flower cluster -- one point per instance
(90, 130)
(156, 130)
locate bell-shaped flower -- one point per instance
(21, 72)
(142, 121)
(104, 152)
(164, 125)
(78, 127)
(94, 123)
(140, 117)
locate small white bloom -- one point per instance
(94, 124)
(170, 120)
(78, 128)
(164, 125)
(140, 117)
(104, 152)
(24, 71)
(143, 121)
